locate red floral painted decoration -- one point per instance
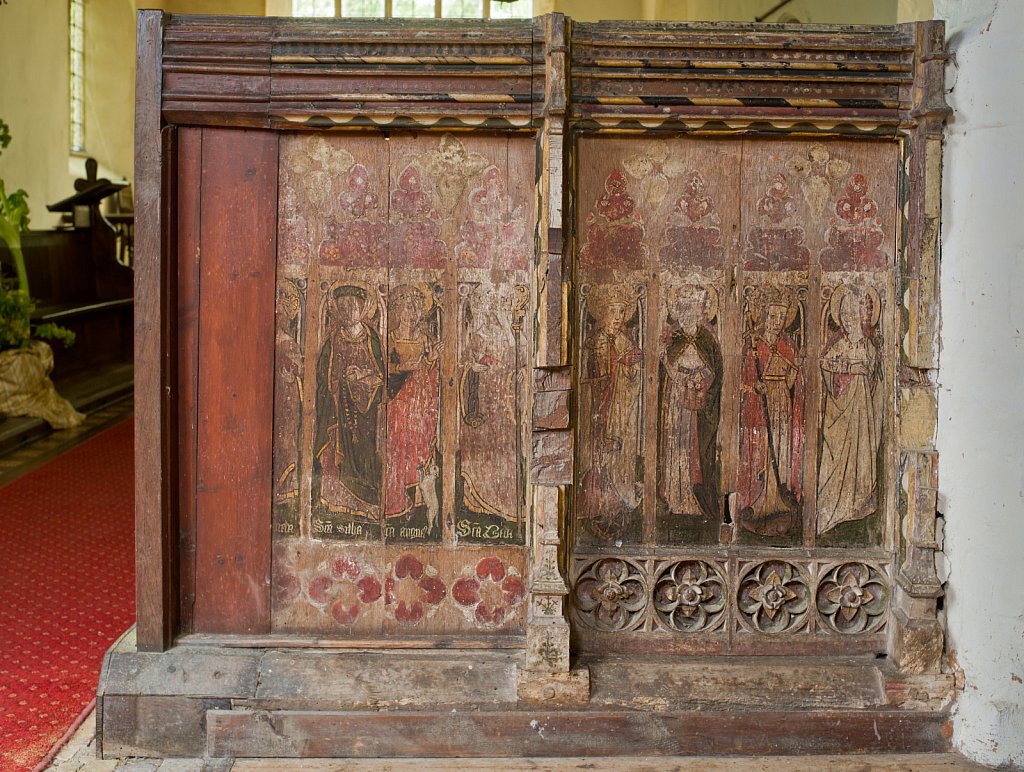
(616, 235)
(412, 591)
(286, 588)
(778, 242)
(694, 231)
(616, 203)
(855, 236)
(344, 590)
(357, 199)
(490, 593)
(409, 201)
(495, 235)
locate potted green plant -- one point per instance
(26, 360)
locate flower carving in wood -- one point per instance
(773, 597)
(690, 596)
(852, 598)
(611, 594)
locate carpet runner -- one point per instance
(67, 579)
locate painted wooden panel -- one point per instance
(403, 305)
(236, 383)
(735, 343)
(190, 168)
(654, 248)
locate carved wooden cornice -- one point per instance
(450, 74)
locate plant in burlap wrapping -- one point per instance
(25, 364)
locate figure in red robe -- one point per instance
(414, 351)
(771, 423)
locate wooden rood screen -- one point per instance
(472, 333)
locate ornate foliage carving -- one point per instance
(773, 597)
(611, 594)
(690, 596)
(852, 598)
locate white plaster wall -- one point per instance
(981, 411)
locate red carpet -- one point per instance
(67, 578)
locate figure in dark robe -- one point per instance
(690, 399)
(349, 387)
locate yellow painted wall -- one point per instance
(227, 7)
(34, 101)
(110, 85)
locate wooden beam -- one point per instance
(155, 590)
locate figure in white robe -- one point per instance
(852, 417)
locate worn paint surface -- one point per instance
(400, 413)
(734, 356)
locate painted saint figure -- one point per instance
(349, 387)
(691, 388)
(288, 402)
(851, 426)
(771, 415)
(414, 350)
(489, 381)
(610, 381)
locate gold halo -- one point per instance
(370, 302)
(836, 301)
(711, 303)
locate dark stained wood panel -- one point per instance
(236, 385)
(155, 554)
(190, 159)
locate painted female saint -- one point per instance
(288, 362)
(610, 384)
(851, 427)
(413, 457)
(771, 413)
(491, 355)
(349, 388)
(690, 400)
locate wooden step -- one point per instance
(218, 701)
(595, 732)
